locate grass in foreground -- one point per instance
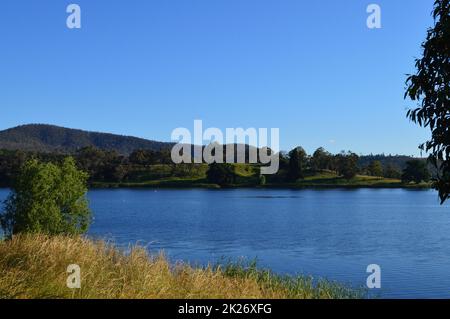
(34, 266)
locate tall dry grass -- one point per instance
(34, 266)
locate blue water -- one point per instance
(325, 233)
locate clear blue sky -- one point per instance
(311, 68)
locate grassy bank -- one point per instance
(329, 179)
(250, 178)
(34, 266)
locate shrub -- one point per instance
(47, 198)
(221, 174)
(416, 171)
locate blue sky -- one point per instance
(143, 68)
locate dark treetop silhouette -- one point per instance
(430, 86)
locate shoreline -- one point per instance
(270, 186)
(205, 186)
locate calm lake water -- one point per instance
(325, 233)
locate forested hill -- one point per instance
(50, 138)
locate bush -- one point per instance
(47, 198)
(221, 174)
(392, 172)
(416, 171)
(375, 169)
(262, 180)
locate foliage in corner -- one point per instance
(430, 87)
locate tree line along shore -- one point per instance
(148, 168)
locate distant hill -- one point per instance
(50, 138)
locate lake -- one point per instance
(334, 234)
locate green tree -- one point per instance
(320, 160)
(221, 174)
(47, 198)
(347, 164)
(262, 180)
(375, 168)
(143, 157)
(10, 163)
(102, 165)
(92, 161)
(297, 163)
(284, 161)
(392, 172)
(430, 87)
(416, 171)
